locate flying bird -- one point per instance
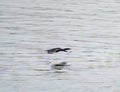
(55, 50)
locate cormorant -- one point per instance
(54, 50)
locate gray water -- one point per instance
(91, 28)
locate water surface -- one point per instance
(89, 27)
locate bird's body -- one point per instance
(55, 50)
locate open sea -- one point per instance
(91, 28)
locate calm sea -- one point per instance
(91, 28)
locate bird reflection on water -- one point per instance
(60, 66)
